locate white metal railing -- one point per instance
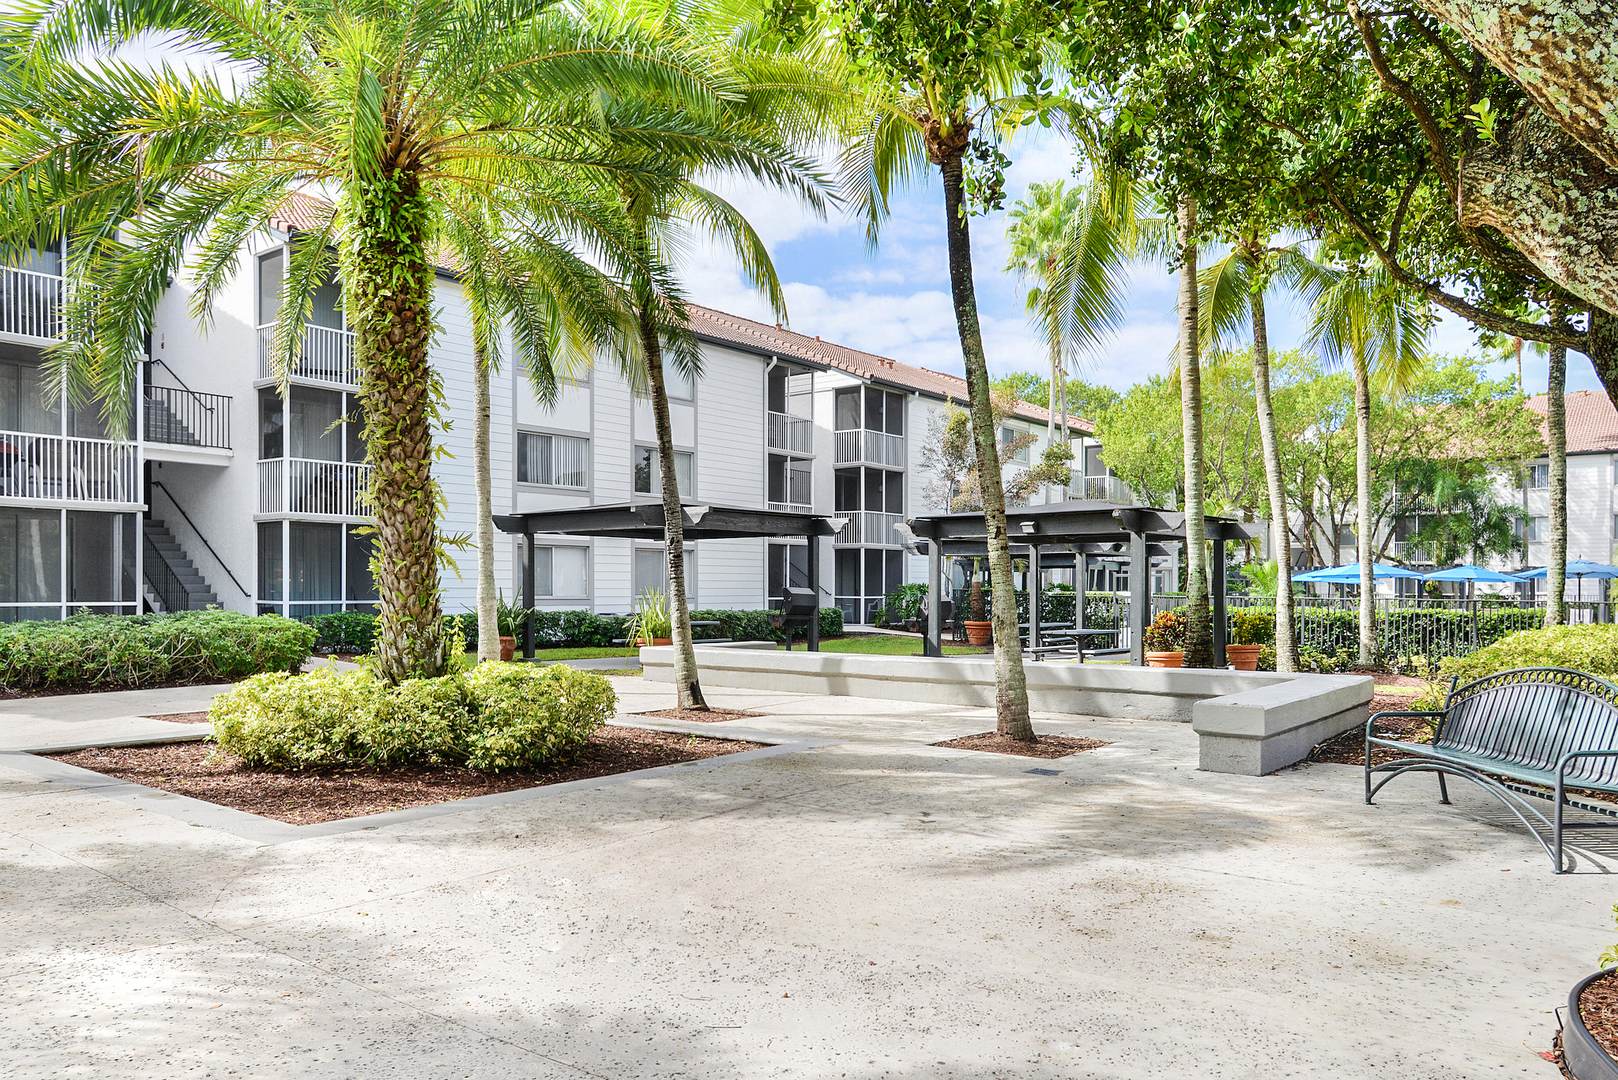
(30, 303)
(875, 447)
(311, 487)
(868, 527)
(68, 468)
(1107, 489)
(794, 434)
(791, 508)
(327, 355)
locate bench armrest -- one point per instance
(1574, 755)
(1407, 714)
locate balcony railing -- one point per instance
(30, 304)
(304, 486)
(794, 434)
(870, 447)
(868, 527)
(1108, 489)
(66, 468)
(327, 356)
(179, 417)
(791, 507)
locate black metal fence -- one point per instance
(183, 417)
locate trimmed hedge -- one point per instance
(355, 631)
(492, 718)
(123, 652)
(1591, 648)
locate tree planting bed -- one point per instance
(200, 771)
(1045, 746)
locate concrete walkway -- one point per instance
(871, 908)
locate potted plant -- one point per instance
(651, 625)
(1251, 629)
(979, 630)
(1585, 1056)
(1165, 641)
(510, 619)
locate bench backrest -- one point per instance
(1532, 717)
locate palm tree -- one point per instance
(400, 110)
(1362, 315)
(1232, 301)
(1556, 438)
(1198, 603)
(1035, 233)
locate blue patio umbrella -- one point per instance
(1468, 572)
(1578, 569)
(1349, 574)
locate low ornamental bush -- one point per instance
(354, 632)
(117, 652)
(493, 717)
(1591, 648)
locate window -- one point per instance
(269, 285)
(848, 408)
(1346, 537)
(677, 383)
(552, 460)
(561, 571)
(1093, 465)
(361, 585)
(790, 480)
(100, 557)
(1539, 476)
(1537, 530)
(847, 490)
(1008, 436)
(314, 424)
(650, 572)
(646, 472)
(271, 420)
(788, 566)
(315, 563)
(270, 569)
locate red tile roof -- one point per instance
(1592, 422)
(730, 329)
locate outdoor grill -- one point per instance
(800, 609)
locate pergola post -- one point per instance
(1081, 581)
(1216, 589)
(931, 642)
(1140, 598)
(813, 642)
(1036, 605)
(528, 595)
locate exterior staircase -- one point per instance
(173, 582)
(163, 424)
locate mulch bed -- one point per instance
(1349, 747)
(197, 770)
(1045, 746)
(700, 716)
(181, 717)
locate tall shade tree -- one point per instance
(944, 77)
(1556, 443)
(1232, 302)
(782, 99)
(396, 109)
(1379, 328)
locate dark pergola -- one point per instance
(1069, 534)
(644, 521)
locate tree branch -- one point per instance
(1407, 94)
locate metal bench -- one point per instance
(1532, 732)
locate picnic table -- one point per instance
(1062, 638)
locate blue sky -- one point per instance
(895, 300)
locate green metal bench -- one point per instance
(1527, 733)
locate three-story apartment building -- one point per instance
(228, 489)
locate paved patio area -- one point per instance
(858, 905)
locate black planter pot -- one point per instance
(1584, 1058)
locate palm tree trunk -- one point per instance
(1556, 436)
(1050, 396)
(1010, 684)
(1199, 619)
(483, 485)
(1362, 497)
(392, 305)
(1286, 644)
(687, 688)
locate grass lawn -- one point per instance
(889, 645)
(581, 652)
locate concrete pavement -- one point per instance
(876, 907)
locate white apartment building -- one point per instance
(222, 491)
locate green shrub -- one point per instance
(491, 718)
(1166, 632)
(1590, 648)
(906, 604)
(352, 633)
(114, 652)
(1252, 626)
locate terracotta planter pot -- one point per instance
(642, 642)
(508, 647)
(1243, 657)
(1584, 1057)
(979, 631)
(1166, 659)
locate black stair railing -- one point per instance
(158, 485)
(160, 578)
(181, 416)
